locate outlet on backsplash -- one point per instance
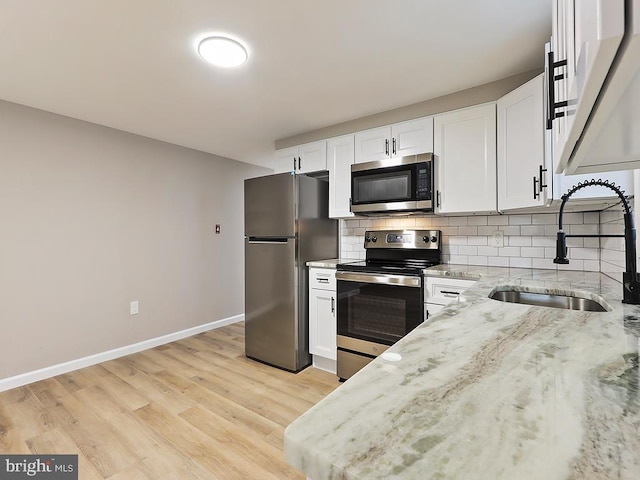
(497, 239)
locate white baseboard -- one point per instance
(66, 367)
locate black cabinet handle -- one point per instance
(536, 193)
(438, 198)
(552, 105)
(333, 305)
(394, 146)
(449, 292)
(386, 146)
(299, 163)
(294, 164)
(542, 184)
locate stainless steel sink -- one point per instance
(548, 300)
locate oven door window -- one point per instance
(388, 185)
(378, 313)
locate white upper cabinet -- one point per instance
(340, 155)
(522, 163)
(309, 157)
(586, 86)
(465, 155)
(400, 139)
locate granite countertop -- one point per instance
(331, 263)
(490, 390)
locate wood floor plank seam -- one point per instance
(196, 408)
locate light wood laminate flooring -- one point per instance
(192, 409)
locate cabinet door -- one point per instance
(587, 34)
(340, 155)
(412, 137)
(521, 156)
(373, 145)
(322, 323)
(312, 157)
(465, 150)
(286, 160)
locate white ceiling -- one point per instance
(131, 64)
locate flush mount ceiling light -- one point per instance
(222, 51)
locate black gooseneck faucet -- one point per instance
(630, 281)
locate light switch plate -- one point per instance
(133, 308)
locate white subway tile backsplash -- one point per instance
(458, 221)
(543, 241)
(609, 243)
(459, 259)
(468, 250)
(546, 263)
(520, 262)
(573, 218)
(458, 240)
(440, 221)
(509, 251)
(584, 253)
(591, 243)
(468, 231)
(592, 217)
(530, 230)
(518, 241)
(529, 239)
(477, 260)
(572, 265)
(488, 251)
(537, 252)
(478, 240)
(511, 230)
(519, 219)
(478, 220)
(498, 261)
(498, 220)
(544, 219)
(592, 265)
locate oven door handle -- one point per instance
(402, 280)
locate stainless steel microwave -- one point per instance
(403, 184)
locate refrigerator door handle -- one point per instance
(269, 241)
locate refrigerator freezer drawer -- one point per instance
(271, 326)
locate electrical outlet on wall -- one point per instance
(497, 239)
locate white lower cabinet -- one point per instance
(322, 318)
(441, 291)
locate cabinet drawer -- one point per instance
(324, 278)
(445, 290)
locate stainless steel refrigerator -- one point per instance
(286, 224)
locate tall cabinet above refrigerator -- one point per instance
(286, 225)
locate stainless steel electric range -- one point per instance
(380, 299)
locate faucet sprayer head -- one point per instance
(561, 249)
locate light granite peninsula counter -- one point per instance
(489, 390)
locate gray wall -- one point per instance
(93, 218)
(488, 92)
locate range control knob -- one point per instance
(434, 239)
(425, 239)
(366, 239)
(374, 239)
